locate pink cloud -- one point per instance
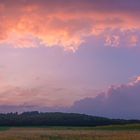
(65, 24)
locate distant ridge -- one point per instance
(36, 118)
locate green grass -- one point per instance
(131, 127)
(4, 128)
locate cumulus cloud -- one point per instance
(66, 24)
(118, 102)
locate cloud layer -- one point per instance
(32, 23)
(118, 102)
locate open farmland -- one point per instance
(126, 132)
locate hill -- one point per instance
(57, 119)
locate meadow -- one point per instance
(118, 132)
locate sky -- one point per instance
(75, 56)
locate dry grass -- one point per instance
(53, 134)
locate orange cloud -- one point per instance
(27, 24)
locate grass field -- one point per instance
(126, 132)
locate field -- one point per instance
(126, 132)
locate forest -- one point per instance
(36, 118)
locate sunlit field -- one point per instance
(127, 132)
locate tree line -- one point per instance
(36, 118)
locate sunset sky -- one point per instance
(78, 54)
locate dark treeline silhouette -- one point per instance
(57, 119)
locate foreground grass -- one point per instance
(130, 132)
